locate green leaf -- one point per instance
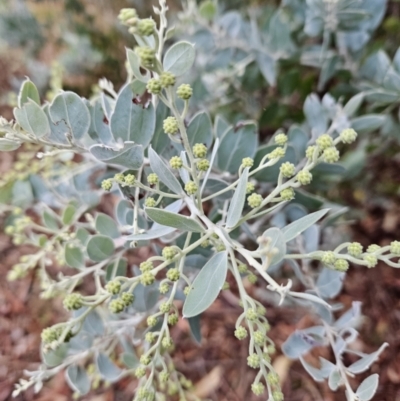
(107, 368)
(220, 126)
(298, 140)
(55, 357)
(50, 219)
(7, 145)
(99, 248)
(68, 214)
(58, 131)
(208, 9)
(368, 123)
(267, 66)
(174, 220)
(368, 387)
(78, 379)
(131, 121)
(74, 257)
(160, 141)
(93, 323)
(206, 285)
(353, 104)
(115, 269)
(381, 97)
(28, 91)
(300, 342)
(183, 172)
(297, 227)
(32, 119)
(151, 234)
(179, 58)
(105, 225)
(239, 196)
(145, 297)
(82, 235)
(277, 242)
(124, 212)
(164, 173)
(213, 185)
(334, 379)
(130, 156)
(239, 142)
(316, 115)
(69, 108)
(99, 130)
(200, 129)
(134, 63)
(130, 360)
(366, 361)
(308, 200)
(22, 194)
(329, 283)
(195, 329)
(314, 372)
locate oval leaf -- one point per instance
(329, 283)
(32, 119)
(334, 380)
(366, 361)
(368, 387)
(130, 156)
(276, 243)
(28, 91)
(314, 372)
(368, 123)
(179, 58)
(151, 234)
(7, 145)
(236, 206)
(74, 257)
(69, 108)
(105, 225)
(115, 269)
(200, 129)
(100, 128)
(132, 121)
(164, 173)
(78, 379)
(174, 220)
(239, 142)
(297, 227)
(107, 369)
(206, 285)
(195, 329)
(297, 344)
(100, 248)
(134, 63)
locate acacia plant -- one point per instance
(205, 200)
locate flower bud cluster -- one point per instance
(152, 179)
(170, 125)
(247, 162)
(73, 301)
(287, 169)
(191, 188)
(128, 180)
(184, 91)
(147, 56)
(254, 200)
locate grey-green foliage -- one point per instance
(199, 193)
